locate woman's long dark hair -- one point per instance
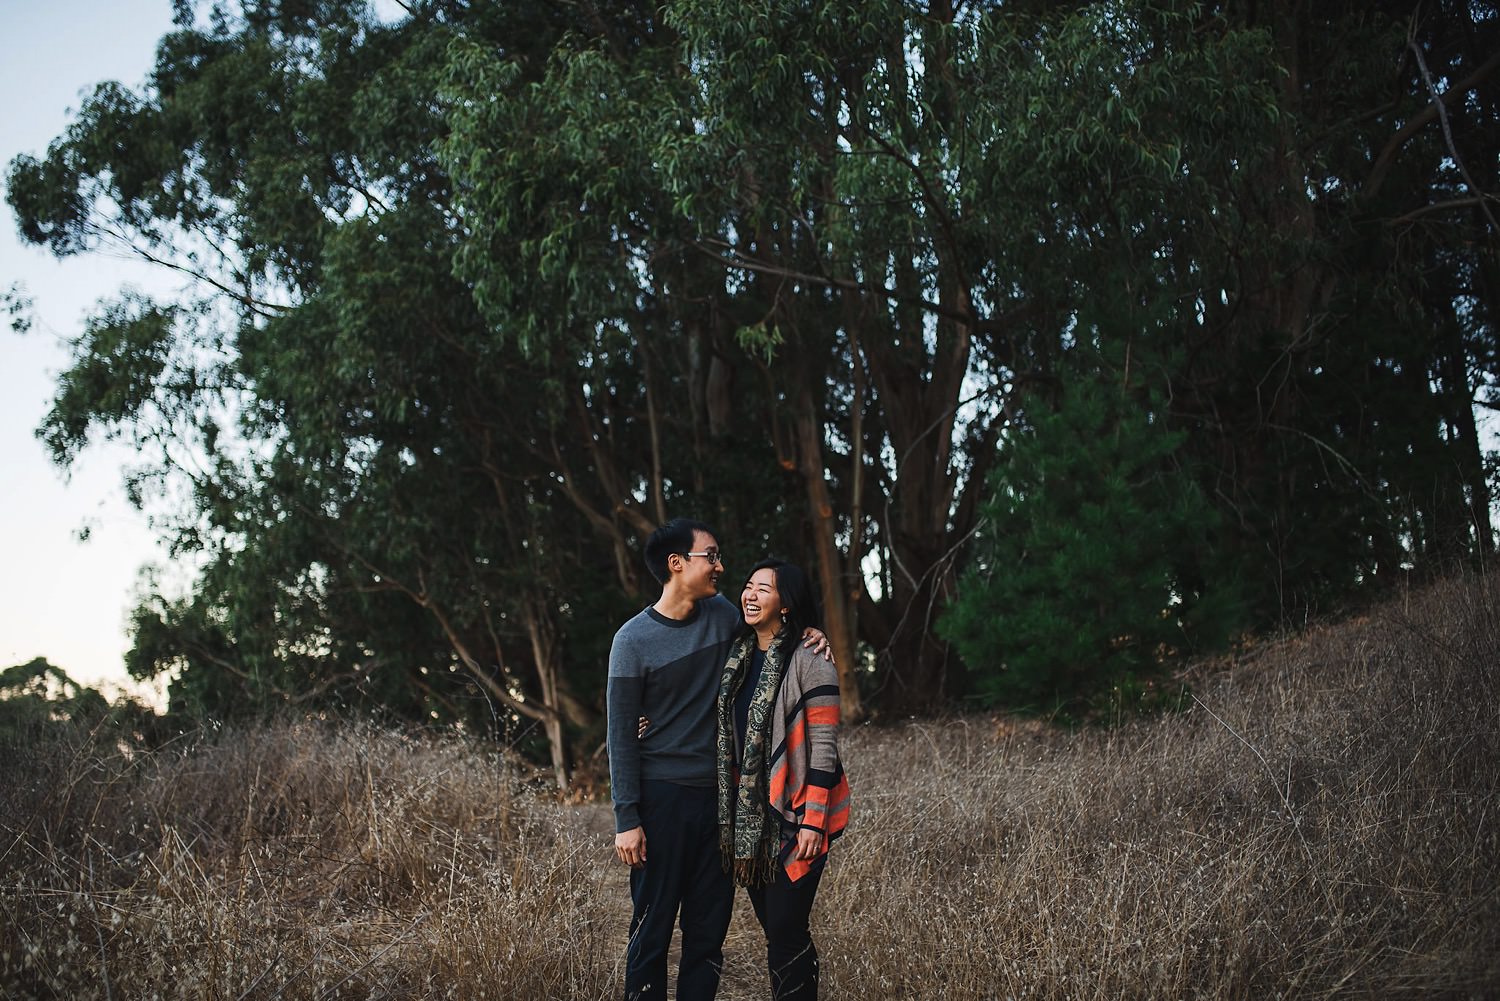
(797, 597)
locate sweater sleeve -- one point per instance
(623, 700)
(820, 702)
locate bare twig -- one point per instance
(1442, 114)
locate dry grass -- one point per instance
(1322, 823)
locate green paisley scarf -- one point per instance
(749, 830)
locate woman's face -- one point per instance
(760, 602)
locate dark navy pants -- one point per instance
(784, 909)
(683, 873)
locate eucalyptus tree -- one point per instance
(355, 441)
(1349, 330)
(577, 241)
(1321, 335)
(890, 207)
(983, 197)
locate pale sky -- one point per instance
(62, 598)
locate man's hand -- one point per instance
(630, 847)
(808, 843)
(817, 641)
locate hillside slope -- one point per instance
(1319, 821)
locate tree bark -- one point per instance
(836, 622)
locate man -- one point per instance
(664, 666)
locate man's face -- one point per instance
(700, 574)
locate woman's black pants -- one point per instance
(783, 909)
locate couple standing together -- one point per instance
(723, 765)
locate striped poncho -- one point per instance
(806, 779)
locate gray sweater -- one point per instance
(668, 671)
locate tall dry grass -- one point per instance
(1321, 822)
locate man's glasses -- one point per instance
(712, 555)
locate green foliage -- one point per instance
(1093, 569)
(38, 689)
(37, 698)
(122, 356)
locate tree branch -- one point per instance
(1422, 119)
(1451, 203)
(735, 259)
(260, 307)
(1442, 111)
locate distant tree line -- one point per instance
(39, 700)
(1056, 339)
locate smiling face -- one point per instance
(760, 602)
(700, 574)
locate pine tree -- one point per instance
(1087, 578)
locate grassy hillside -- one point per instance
(1320, 822)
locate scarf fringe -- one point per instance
(757, 871)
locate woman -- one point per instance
(782, 792)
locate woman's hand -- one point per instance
(641, 726)
(809, 844)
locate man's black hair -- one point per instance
(676, 536)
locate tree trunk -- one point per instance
(549, 672)
(836, 621)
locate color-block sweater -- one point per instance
(668, 671)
